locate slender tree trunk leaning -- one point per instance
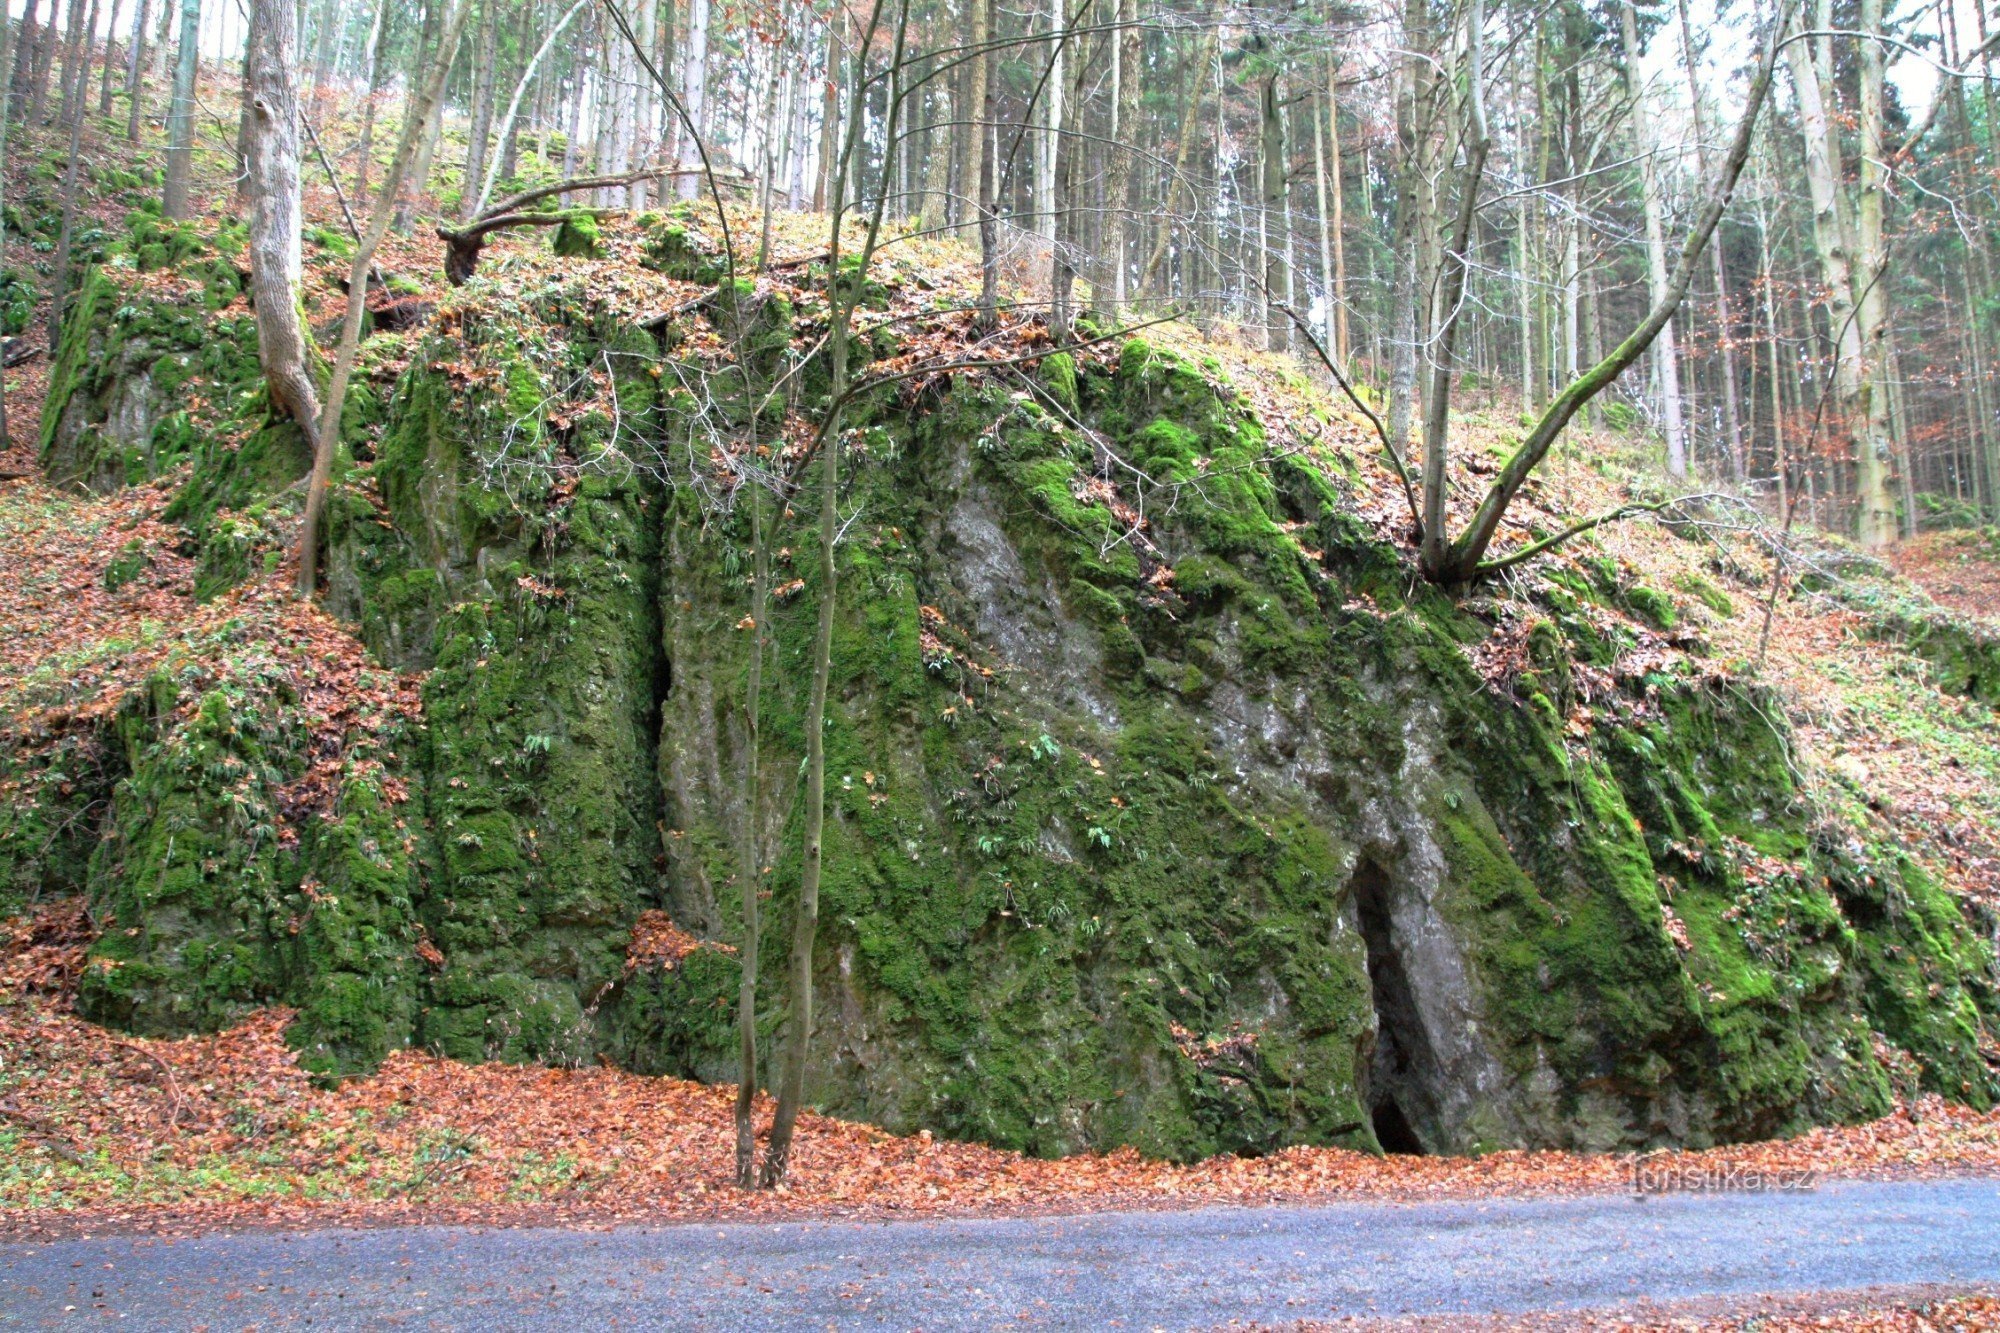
(420, 170)
(1451, 291)
(751, 856)
(843, 298)
(1466, 559)
(415, 117)
(514, 103)
(180, 117)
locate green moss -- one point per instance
(577, 237)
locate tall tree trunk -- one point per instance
(1343, 351)
(1069, 174)
(1191, 103)
(1834, 241)
(978, 75)
(1051, 141)
(180, 117)
(1731, 413)
(1122, 147)
(275, 266)
(1271, 212)
(1456, 263)
(1666, 357)
(243, 116)
(76, 57)
(364, 149)
(420, 170)
(136, 62)
(1875, 521)
(989, 189)
(751, 874)
(44, 61)
(22, 76)
(694, 85)
(843, 298)
(110, 44)
(59, 278)
(480, 132)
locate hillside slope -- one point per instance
(1168, 808)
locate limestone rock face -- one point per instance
(1201, 834)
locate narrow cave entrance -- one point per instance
(1393, 1088)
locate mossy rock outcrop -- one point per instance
(1203, 836)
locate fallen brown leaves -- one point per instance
(1927, 1310)
(73, 647)
(226, 1130)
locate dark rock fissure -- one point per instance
(1393, 1090)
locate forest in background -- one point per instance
(1289, 173)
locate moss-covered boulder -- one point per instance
(1165, 808)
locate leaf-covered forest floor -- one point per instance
(99, 1130)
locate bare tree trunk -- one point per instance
(1121, 148)
(752, 874)
(44, 61)
(1875, 524)
(420, 170)
(989, 188)
(59, 278)
(135, 64)
(481, 130)
(423, 102)
(22, 76)
(364, 150)
(694, 84)
(180, 117)
(977, 77)
(1191, 101)
(1062, 205)
(1731, 413)
(514, 104)
(275, 266)
(76, 58)
(243, 127)
(1457, 261)
(1666, 360)
(1052, 151)
(843, 297)
(1338, 295)
(110, 44)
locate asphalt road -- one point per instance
(1110, 1270)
